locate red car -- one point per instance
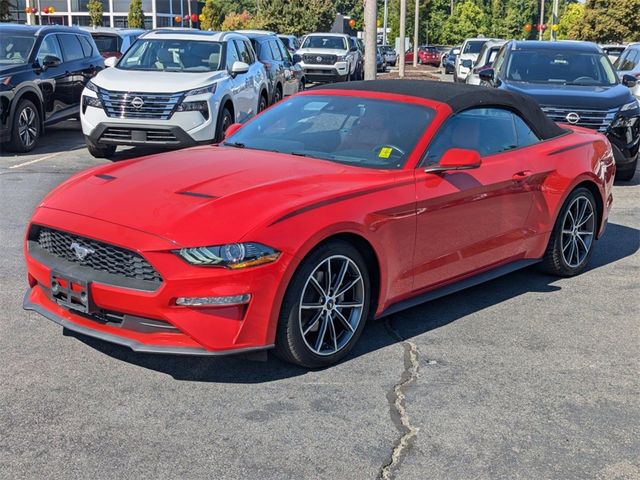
(426, 56)
(338, 205)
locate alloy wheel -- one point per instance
(578, 228)
(27, 127)
(331, 305)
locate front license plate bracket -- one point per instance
(72, 293)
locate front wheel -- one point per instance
(25, 128)
(573, 236)
(226, 119)
(628, 173)
(325, 307)
(101, 151)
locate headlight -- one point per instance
(88, 101)
(91, 86)
(198, 106)
(630, 106)
(233, 255)
(341, 58)
(199, 91)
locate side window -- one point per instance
(497, 64)
(277, 55)
(232, 55)
(71, 48)
(49, 46)
(87, 49)
(283, 51)
(525, 135)
(252, 55)
(485, 130)
(243, 52)
(620, 61)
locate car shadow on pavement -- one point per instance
(62, 137)
(618, 242)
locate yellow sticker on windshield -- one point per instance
(385, 152)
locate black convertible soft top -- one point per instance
(461, 97)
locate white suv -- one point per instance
(328, 57)
(468, 55)
(173, 88)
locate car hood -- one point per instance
(155, 82)
(13, 68)
(206, 195)
(576, 96)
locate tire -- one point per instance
(101, 151)
(277, 95)
(455, 77)
(225, 120)
(302, 85)
(25, 127)
(568, 251)
(331, 331)
(628, 173)
(263, 103)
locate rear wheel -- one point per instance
(277, 95)
(263, 103)
(628, 173)
(25, 128)
(573, 236)
(325, 307)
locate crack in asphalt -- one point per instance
(397, 408)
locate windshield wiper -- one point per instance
(234, 144)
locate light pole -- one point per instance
(384, 22)
(370, 38)
(554, 26)
(541, 20)
(403, 21)
(415, 34)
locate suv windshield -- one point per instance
(566, 68)
(474, 46)
(350, 130)
(319, 41)
(15, 49)
(173, 56)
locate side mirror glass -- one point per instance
(110, 62)
(467, 63)
(629, 81)
(233, 128)
(50, 61)
(486, 75)
(239, 67)
(456, 159)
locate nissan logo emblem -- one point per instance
(137, 103)
(318, 59)
(573, 117)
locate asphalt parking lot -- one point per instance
(525, 377)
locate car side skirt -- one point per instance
(458, 286)
(126, 342)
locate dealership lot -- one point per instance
(528, 376)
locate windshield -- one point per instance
(567, 68)
(15, 49)
(318, 41)
(474, 46)
(173, 56)
(350, 130)
(106, 43)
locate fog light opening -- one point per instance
(227, 301)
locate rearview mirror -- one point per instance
(110, 62)
(233, 128)
(456, 159)
(629, 80)
(239, 67)
(50, 61)
(486, 75)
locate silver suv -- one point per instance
(328, 57)
(173, 88)
(628, 63)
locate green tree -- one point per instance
(136, 15)
(610, 21)
(214, 12)
(296, 16)
(570, 22)
(468, 20)
(237, 21)
(95, 12)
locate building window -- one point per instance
(81, 6)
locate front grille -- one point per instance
(159, 106)
(138, 135)
(101, 257)
(596, 119)
(319, 59)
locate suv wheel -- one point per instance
(25, 127)
(628, 173)
(101, 151)
(224, 122)
(277, 95)
(263, 103)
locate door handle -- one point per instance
(523, 175)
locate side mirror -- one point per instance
(296, 58)
(353, 49)
(239, 67)
(111, 62)
(233, 128)
(487, 75)
(456, 159)
(50, 61)
(629, 80)
(467, 63)
(456, 51)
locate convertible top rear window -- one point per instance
(356, 131)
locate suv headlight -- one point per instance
(91, 86)
(232, 255)
(341, 58)
(630, 106)
(202, 90)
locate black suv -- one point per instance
(574, 82)
(43, 70)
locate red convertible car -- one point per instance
(341, 204)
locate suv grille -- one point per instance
(103, 257)
(137, 135)
(319, 59)
(159, 106)
(597, 119)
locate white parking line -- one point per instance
(46, 157)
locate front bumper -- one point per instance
(624, 136)
(150, 321)
(115, 133)
(325, 73)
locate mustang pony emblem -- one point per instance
(81, 251)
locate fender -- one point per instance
(30, 87)
(223, 100)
